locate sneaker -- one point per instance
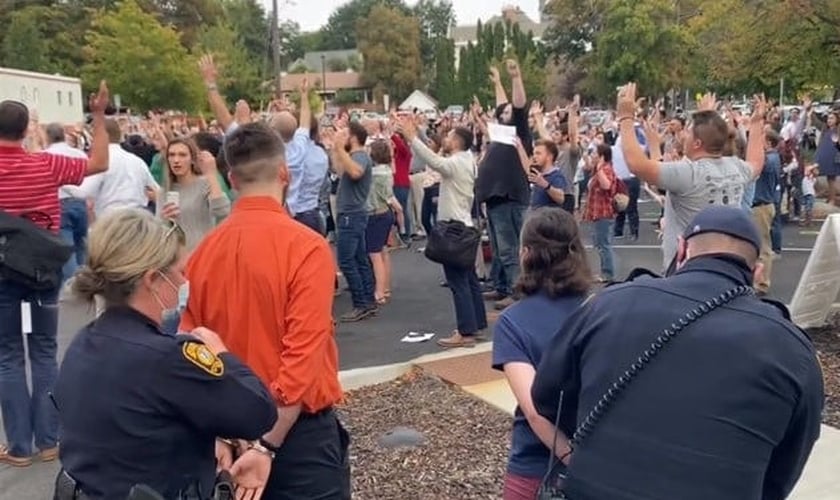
(493, 295)
(49, 454)
(457, 340)
(503, 304)
(356, 315)
(7, 458)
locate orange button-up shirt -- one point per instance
(265, 283)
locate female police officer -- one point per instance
(137, 406)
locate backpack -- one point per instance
(30, 255)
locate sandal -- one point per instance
(7, 458)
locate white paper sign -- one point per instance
(26, 317)
(820, 282)
(417, 337)
(503, 134)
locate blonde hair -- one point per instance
(122, 247)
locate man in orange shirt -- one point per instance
(265, 283)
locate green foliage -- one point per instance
(436, 17)
(239, 77)
(247, 18)
(345, 97)
(24, 46)
(445, 84)
(153, 71)
(391, 56)
(340, 32)
(337, 64)
(315, 101)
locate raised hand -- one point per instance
(408, 128)
(304, 86)
(760, 107)
(708, 102)
(209, 72)
(242, 112)
(494, 75)
(626, 102)
(98, 102)
(206, 163)
(513, 68)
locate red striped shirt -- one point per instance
(29, 183)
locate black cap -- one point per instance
(734, 222)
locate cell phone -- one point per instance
(173, 197)
(534, 171)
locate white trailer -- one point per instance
(55, 98)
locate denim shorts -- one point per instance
(377, 232)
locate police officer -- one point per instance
(687, 387)
(137, 406)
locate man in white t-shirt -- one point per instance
(705, 177)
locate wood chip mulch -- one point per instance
(827, 342)
(465, 450)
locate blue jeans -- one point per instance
(28, 415)
(74, 228)
(601, 235)
(353, 258)
(505, 225)
(470, 314)
(402, 194)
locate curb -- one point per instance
(372, 375)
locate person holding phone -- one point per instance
(547, 181)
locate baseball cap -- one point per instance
(734, 222)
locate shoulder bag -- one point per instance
(30, 255)
(453, 243)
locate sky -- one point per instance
(312, 14)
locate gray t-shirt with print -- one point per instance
(567, 161)
(694, 185)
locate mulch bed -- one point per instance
(827, 342)
(464, 453)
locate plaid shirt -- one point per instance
(599, 204)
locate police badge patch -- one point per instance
(202, 357)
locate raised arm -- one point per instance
(755, 140)
(210, 74)
(638, 163)
(518, 97)
(498, 88)
(342, 162)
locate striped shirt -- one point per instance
(29, 183)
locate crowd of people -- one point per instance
(209, 259)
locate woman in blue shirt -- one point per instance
(555, 279)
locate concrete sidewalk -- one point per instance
(470, 369)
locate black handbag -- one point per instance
(453, 243)
(552, 484)
(30, 255)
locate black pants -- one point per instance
(313, 219)
(634, 187)
(313, 463)
(569, 203)
(428, 211)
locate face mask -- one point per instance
(183, 294)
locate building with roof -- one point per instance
(464, 34)
(327, 83)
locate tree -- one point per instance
(153, 71)
(445, 87)
(248, 20)
(24, 46)
(239, 78)
(390, 44)
(436, 17)
(640, 42)
(337, 64)
(340, 31)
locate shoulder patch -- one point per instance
(199, 355)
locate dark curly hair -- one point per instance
(554, 260)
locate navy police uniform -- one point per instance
(728, 410)
(138, 406)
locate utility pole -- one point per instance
(275, 49)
